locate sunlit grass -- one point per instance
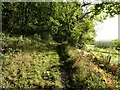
(32, 69)
(27, 62)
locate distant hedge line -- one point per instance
(108, 44)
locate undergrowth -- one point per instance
(29, 62)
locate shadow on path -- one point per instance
(66, 69)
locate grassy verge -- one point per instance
(87, 74)
(29, 63)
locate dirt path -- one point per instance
(64, 76)
(63, 70)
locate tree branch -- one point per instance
(85, 4)
(85, 15)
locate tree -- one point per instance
(25, 17)
(71, 22)
(68, 26)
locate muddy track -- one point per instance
(65, 75)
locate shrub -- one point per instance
(116, 44)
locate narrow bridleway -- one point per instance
(65, 75)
